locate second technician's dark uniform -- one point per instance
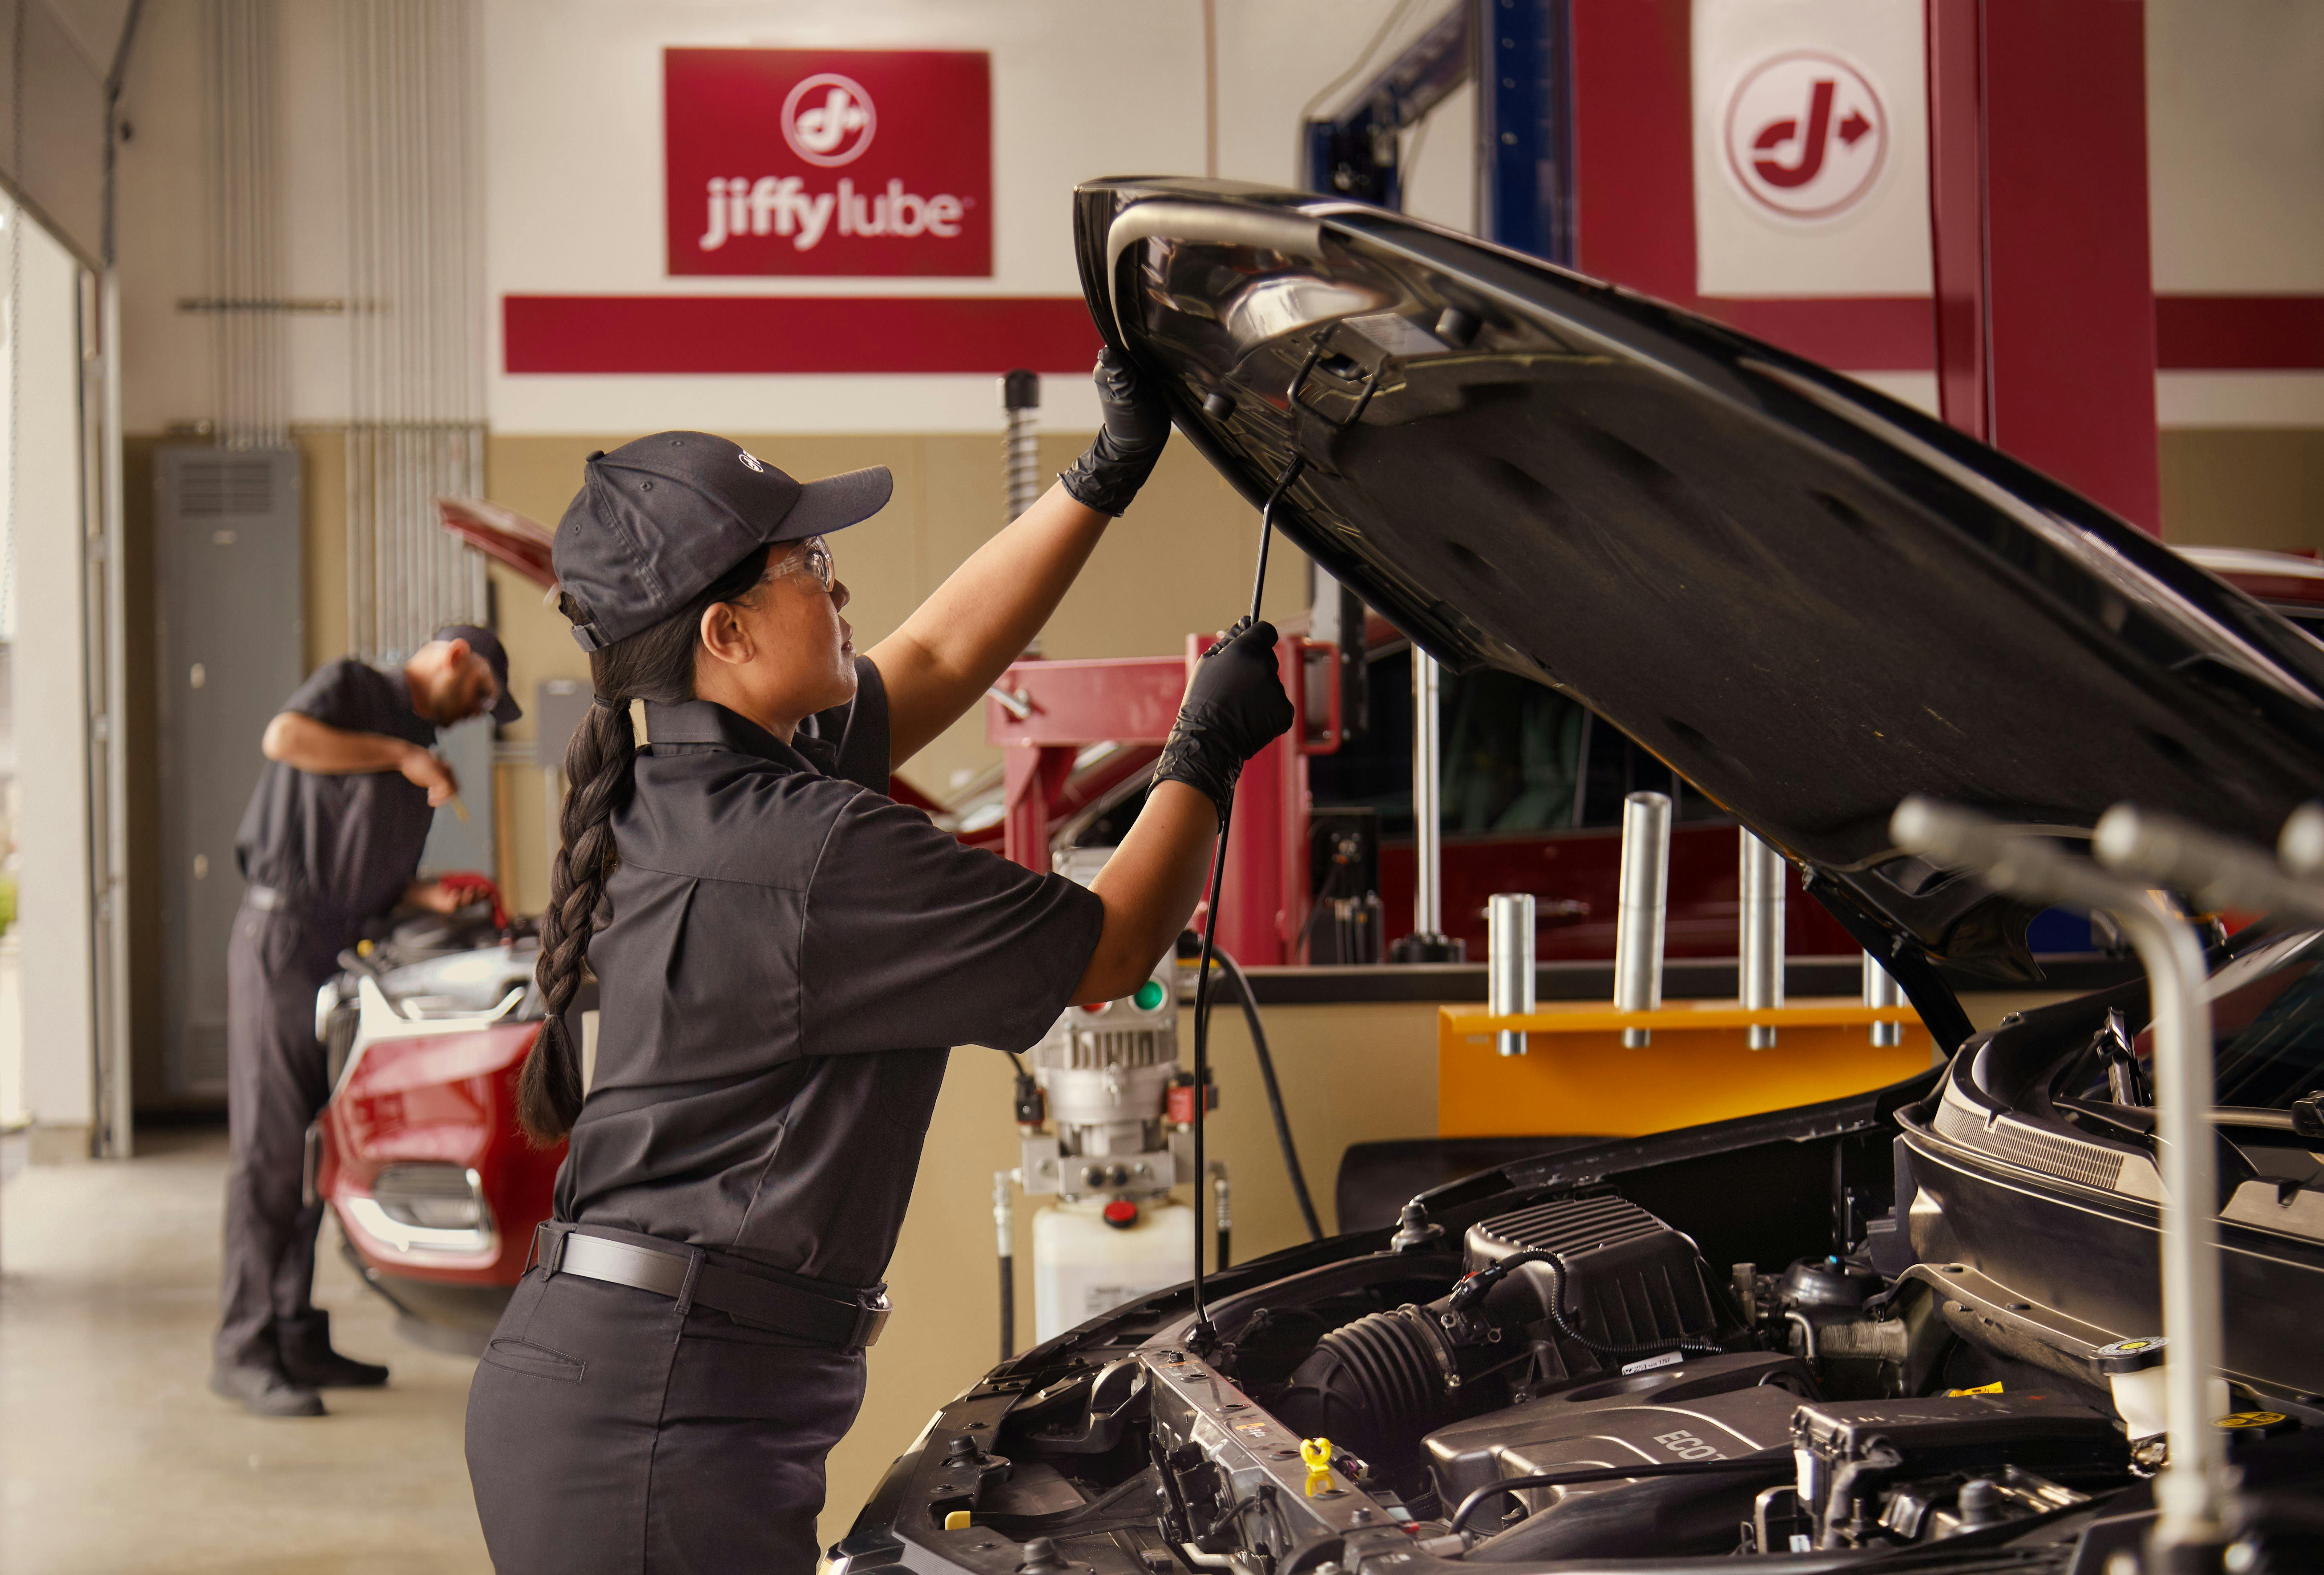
(789, 956)
(322, 855)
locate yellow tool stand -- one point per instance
(1576, 1078)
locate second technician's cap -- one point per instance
(488, 645)
(656, 521)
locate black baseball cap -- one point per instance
(658, 519)
(488, 645)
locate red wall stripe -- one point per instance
(1872, 333)
(985, 334)
(2242, 333)
(645, 334)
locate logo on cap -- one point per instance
(748, 458)
(828, 119)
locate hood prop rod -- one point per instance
(2193, 1489)
(1203, 1336)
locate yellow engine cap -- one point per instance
(956, 1520)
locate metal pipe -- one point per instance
(1222, 1217)
(1020, 459)
(1641, 905)
(1759, 890)
(1510, 978)
(1881, 989)
(1427, 826)
(2193, 1485)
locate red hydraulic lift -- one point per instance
(1044, 713)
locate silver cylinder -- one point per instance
(1427, 828)
(1881, 989)
(1508, 980)
(1641, 903)
(1759, 888)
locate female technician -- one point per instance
(784, 956)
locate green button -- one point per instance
(1148, 996)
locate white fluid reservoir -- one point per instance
(1084, 1265)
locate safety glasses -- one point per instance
(812, 556)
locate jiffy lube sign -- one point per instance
(829, 162)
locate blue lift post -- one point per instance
(1520, 55)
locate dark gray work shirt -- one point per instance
(790, 955)
(343, 848)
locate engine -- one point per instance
(1589, 1384)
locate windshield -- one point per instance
(2268, 1021)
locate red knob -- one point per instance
(1121, 1214)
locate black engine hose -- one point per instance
(1274, 1092)
(1472, 1290)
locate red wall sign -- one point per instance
(828, 161)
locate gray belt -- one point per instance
(686, 1276)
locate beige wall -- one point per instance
(2243, 487)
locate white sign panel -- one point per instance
(1810, 148)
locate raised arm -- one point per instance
(1234, 707)
(946, 654)
(304, 744)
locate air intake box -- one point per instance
(1629, 1278)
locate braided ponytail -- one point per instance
(656, 664)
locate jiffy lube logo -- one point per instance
(1806, 134)
(836, 162)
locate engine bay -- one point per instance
(1722, 1349)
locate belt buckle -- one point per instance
(871, 1310)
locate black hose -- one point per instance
(1007, 1308)
(1220, 1255)
(1770, 1460)
(1274, 1096)
(1472, 1290)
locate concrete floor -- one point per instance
(115, 1458)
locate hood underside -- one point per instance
(1809, 599)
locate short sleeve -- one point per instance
(343, 693)
(913, 941)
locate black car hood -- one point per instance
(1807, 598)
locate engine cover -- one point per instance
(1719, 1407)
(1630, 1279)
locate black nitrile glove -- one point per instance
(1137, 426)
(1234, 708)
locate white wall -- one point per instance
(1080, 88)
(2235, 155)
(58, 1047)
(165, 207)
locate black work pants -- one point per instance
(275, 1083)
(611, 1434)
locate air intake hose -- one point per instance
(1379, 1382)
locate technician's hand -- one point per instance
(436, 897)
(1234, 708)
(1137, 426)
(426, 769)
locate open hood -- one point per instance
(1809, 599)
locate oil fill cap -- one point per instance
(1121, 1214)
(2132, 1356)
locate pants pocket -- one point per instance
(525, 1356)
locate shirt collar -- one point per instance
(691, 724)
